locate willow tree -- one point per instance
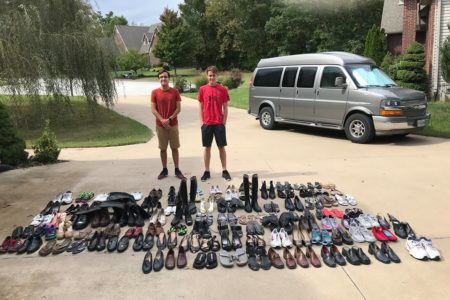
(52, 46)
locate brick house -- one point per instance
(424, 21)
(141, 38)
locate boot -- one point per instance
(187, 216)
(182, 192)
(272, 194)
(264, 192)
(246, 184)
(178, 213)
(255, 205)
(192, 195)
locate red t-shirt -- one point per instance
(213, 97)
(166, 103)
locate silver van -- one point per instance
(336, 90)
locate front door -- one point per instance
(305, 94)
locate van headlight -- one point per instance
(391, 108)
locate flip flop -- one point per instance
(226, 259)
(241, 257)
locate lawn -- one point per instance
(82, 125)
(439, 124)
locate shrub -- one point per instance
(376, 45)
(236, 77)
(180, 84)
(388, 61)
(12, 148)
(408, 71)
(46, 149)
(200, 81)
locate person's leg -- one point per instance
(176, 157)
(174, 139)
(223, 157)
(163, 140)
(207, 137)
(221, 141)
(163, 155)
(207, 157)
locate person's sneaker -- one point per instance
(178, 174)
(226, 175)
(164, 173)
(415, 248)
(206, 175)
(432, 252)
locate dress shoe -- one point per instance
(365, 260)
(181, 258)
(300, 257)
(158, 261)
(94, 241)
(327, 257)
(313, 258)
(170, 259)
(147, 264)
(35, 244)
(275, 259)
(138, 242)
(390, 253)
(338, 257)
(290, 261)
(351, 255)
(378, 253)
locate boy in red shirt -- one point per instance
(213, 98)
(166, 106)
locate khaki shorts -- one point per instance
(166, 135)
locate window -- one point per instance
(289, 77)
(329, 76)
(306, 77)
(366, 75)
(268, 77)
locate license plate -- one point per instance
(421, 123)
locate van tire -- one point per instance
(359, 128)
(267, 118)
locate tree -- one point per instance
(409, 72)
(132, 60)
(445, 58)
(109, 21)
(376, 45)
(12, 148)
(45, 45)
(174, 44)
(388, 62)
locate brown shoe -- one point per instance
(170, 260)
(275, 259)
(84, 234)
(116, 230)
(181, 259)
(151, 229)
(313, 258)
(108, 230)
(104, 217)
(300, 257)
(290, 261)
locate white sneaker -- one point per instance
(101, 197)
(228, 196)
(217, 190)
(364, 221)
(285, 241)
(373, 220)
(47, 219)
(199, 196)
(211, 206)
(351, 200)
(37, 220)
(202, 207)
(367, 234)
(162, 218)
(427, 244)
(341, 200)
(66, 198)
(168, 210)
(356, 233)
(275, 241)
(137, 195)
(58, 197)
(415, 248)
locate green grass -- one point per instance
(439, 124)
(83, 125)
(238, 96)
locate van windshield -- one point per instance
(367, 75)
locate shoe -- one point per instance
(399, 227)
(379, 234)
(378, 253)
(164, 173)
(158, 261)
(264, 192)
(326, 238)
(362, 256)
(356, 234)
(226, 175)
(170, 259)
(178, 174)
(367, 234)
(383, 222)
(338, 257)
(285, 240)
(275, 241)
(351, 256)
(288, 204)
(298, 204)
(272, 194)
(206, 175)
(432, 252)
(147, 263)
(211, 260)
(275, 259)
(313, 258)
(210, 206)
(327, 257)
(200, 261)
(300, 257)
(346, 238)
(390, 253)
(290, 261)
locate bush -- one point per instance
(232, 81)
(12, 148)
(388, 61)
(46, 149)
(180, 84)
(408, 71)
(200, 81)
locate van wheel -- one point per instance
(267, 118)
(359, 128)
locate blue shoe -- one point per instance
(316, 237)
(326, 238)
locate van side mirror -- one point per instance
(340, 82)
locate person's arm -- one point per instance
(164, 122)
(177, 111)
(200, 112)
(225, 112)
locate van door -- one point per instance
(305, 94)
(266, 87)
(287, 93)
(331, 100)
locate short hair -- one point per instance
(164, 71)
(212, 69)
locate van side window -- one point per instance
(289, 77)
(268, 77)
(307, 77)
(329, 76)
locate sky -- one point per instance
(137, 12)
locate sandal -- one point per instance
(182, 230)
(194, 243)
(214, 244)
(206, 243)
(243, 220)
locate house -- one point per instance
(424, 21)
(141, 38)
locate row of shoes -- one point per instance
(156, 264)
(21, 241)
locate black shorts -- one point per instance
(217, 131)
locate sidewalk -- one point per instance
(407, 178)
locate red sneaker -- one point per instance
(379, 234)
(337, 213)
(389, 234)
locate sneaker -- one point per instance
(351, 200)
(178, 174)
(66, 197)
(275, 241)
(326, 224)
(206, 175)
(356, 233)
(367, 234)
(199, 196)
(415, 248)
(226, 175)
(285, 241)
(202, 207)
(164, 173)
(432, 252)
(211, 206)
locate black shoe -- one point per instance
(298, 204)
(158, 262)
(147, 263)
(179, 174)
(327, 257)
(264, 192)
(164, 173)
(246, 184)
(288, 204)
(255, 204)
(226, 175)
(378, 253)
(272, 194)
(206, 175)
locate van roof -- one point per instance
(324, 58)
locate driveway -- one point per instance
(407, 178)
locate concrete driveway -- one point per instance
(407, 177)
